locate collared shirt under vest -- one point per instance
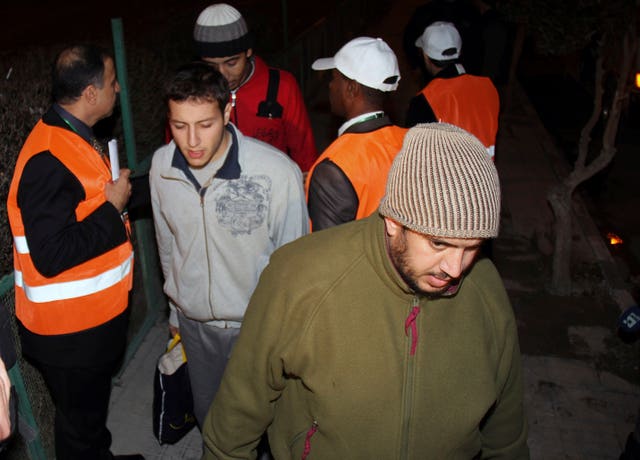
(86, 295)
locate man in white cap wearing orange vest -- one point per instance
(347, 181)
(454, 96)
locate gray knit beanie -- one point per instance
(221, 31)
(443, 183)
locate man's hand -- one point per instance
(119, 191)
(5, 391)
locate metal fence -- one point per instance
(324, 38)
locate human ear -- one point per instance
(392, 227)
(353, 88)
(90, 93)
(226, 114)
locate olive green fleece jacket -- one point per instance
(324, 361)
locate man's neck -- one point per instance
(77, 111)
(74, 123)
(251, 68)
(360, 118)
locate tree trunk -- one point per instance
(516, 52)
(560, 201)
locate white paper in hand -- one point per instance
(113, 159)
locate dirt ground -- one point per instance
(581, 326)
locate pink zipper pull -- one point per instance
(410, 322)
(307, 440)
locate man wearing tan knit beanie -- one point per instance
(443, 200)
(386, 337)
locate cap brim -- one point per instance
(324, 64)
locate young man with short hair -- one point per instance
(222, 203)
(266, 103)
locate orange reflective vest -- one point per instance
(467, 101)
(89, 294)
(365, 158)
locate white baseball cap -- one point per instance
(440, 41)
(369, 61)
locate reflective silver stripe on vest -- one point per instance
(20, 243)
(72, 289)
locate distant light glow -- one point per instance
(637, 79)
(614, 239)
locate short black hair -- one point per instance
(199, 81)
(75, 68)
(371, 95)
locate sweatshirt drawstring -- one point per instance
(307, 440)
(411, 322)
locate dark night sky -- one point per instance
(41, 22)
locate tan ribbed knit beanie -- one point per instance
(443, 183)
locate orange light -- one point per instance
(614, 239)
(638, 80)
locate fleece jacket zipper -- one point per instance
(411, 330)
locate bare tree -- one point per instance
(560, 197)
(563, 29)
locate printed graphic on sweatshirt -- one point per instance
(242, 205)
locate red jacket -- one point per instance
(292, 132)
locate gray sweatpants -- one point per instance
(208, 349)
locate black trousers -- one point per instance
(77, 369)
(81, 399)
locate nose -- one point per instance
(192, 137)
(225, 73)
(452, 262)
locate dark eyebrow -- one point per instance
(446, 243)
(438, 241)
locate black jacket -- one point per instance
(48, 194)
